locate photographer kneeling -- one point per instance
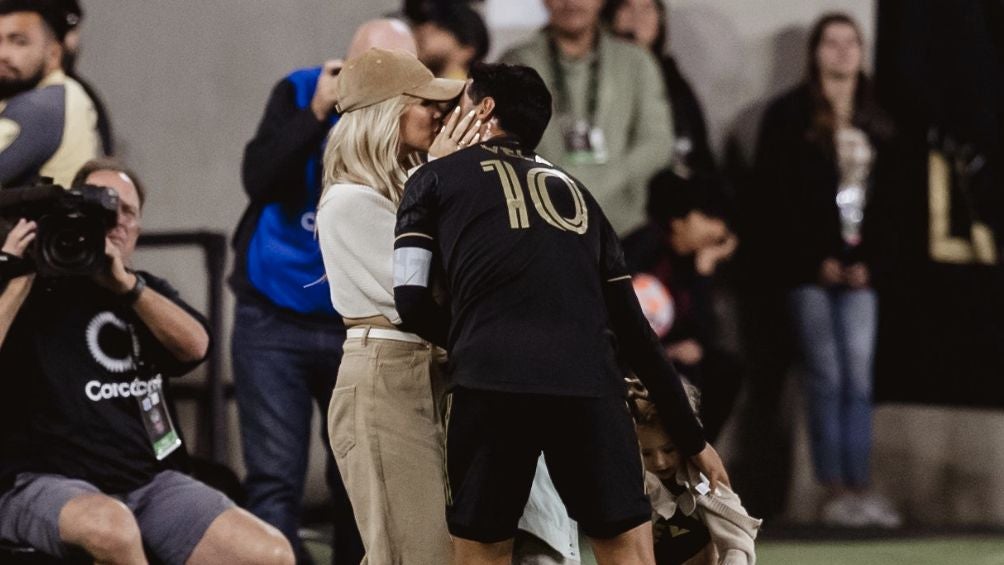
(85, 436)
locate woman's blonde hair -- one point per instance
(363, 148)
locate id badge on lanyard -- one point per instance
(585, 144)
(160, 430)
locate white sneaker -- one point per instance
(844, 511)
(879, 511)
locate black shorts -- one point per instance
(495, 438)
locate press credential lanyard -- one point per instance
(585, 143)
(153, 408)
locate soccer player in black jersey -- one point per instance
(541, 305)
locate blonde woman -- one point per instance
(384, 418)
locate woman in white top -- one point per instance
(385, 418)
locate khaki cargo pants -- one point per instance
(387, 435)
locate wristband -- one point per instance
(12, 266)
(132, 296)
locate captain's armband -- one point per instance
(412, 260)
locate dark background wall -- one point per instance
(940, 71)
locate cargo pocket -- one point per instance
(342, 420)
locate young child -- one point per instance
(691, 525)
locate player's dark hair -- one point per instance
(522, 100)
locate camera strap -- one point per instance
(164, 438)
(563, 99)
(585, 142)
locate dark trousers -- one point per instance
(763, 471)
(282, 365)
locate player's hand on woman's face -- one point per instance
(19, 237)
(457, 132)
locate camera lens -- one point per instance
(73, 246)
(68, 247)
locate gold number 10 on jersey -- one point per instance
(536, 180)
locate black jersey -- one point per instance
(540, 297)
(526, 250)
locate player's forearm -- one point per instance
(413, 296)
(648, 360)
(421, 315)
(666, 390)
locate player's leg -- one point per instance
(592, 454)
(491, 458)
(633, 547)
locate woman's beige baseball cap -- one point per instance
(381, 74)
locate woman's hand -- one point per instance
(831, 273)
(857, 276)
(19, 237)
(456, 134)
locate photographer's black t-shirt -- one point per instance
(68, 380)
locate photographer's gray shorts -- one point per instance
(173, 512)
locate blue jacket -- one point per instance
(278, 259)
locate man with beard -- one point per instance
(47, 121)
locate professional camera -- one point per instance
(72, 224)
